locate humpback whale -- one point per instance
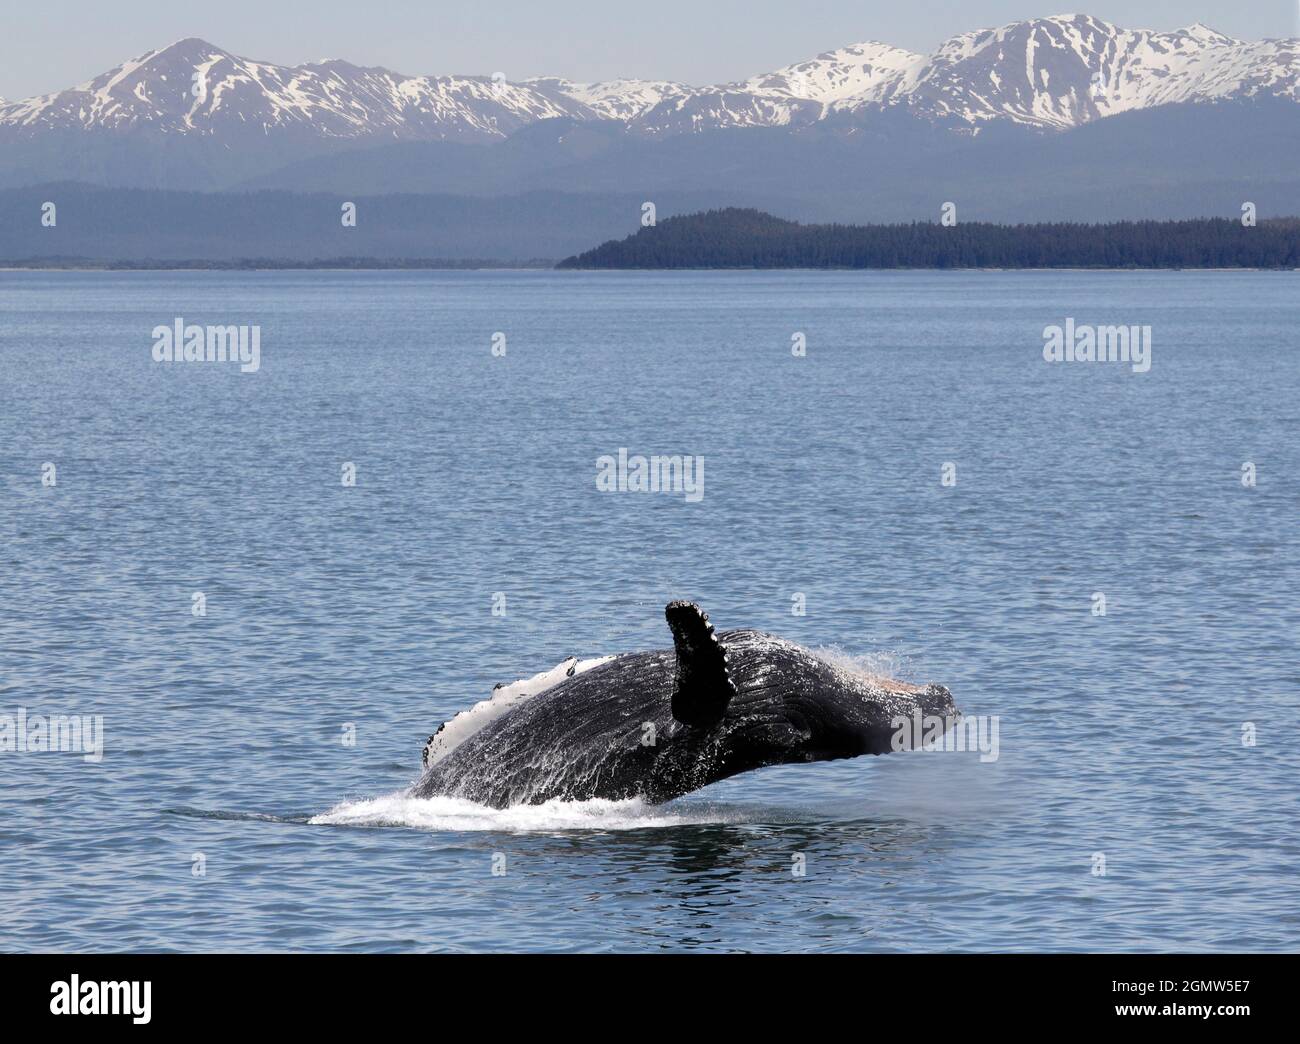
(661, 724)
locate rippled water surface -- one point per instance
(1120, 736)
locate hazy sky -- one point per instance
(52, 44)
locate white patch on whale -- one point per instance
(504, 699)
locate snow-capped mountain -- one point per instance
(858, 73)
(795, 95)
(192, 87)
(1051, 72)
(193, 114)
(1065, 71)
(623, 100)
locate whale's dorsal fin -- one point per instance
(703, 687)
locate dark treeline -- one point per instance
(736, 238)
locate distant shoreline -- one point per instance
(747, 240)
(552, 267)
(264, 265)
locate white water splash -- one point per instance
(883, 669)
(447, 813)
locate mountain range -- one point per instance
(1068, 117)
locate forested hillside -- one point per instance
(735, 238)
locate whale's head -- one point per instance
(774, 702)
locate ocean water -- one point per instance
(231, 812)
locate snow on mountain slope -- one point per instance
(624, 100)
(1050, 73)
(861, 72)
(1065, 71)
(796, 94)
(192, 86)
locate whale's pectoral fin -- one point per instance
(428, 746)
(703, 687)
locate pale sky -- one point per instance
(53, 44)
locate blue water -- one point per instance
(1120, 735)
